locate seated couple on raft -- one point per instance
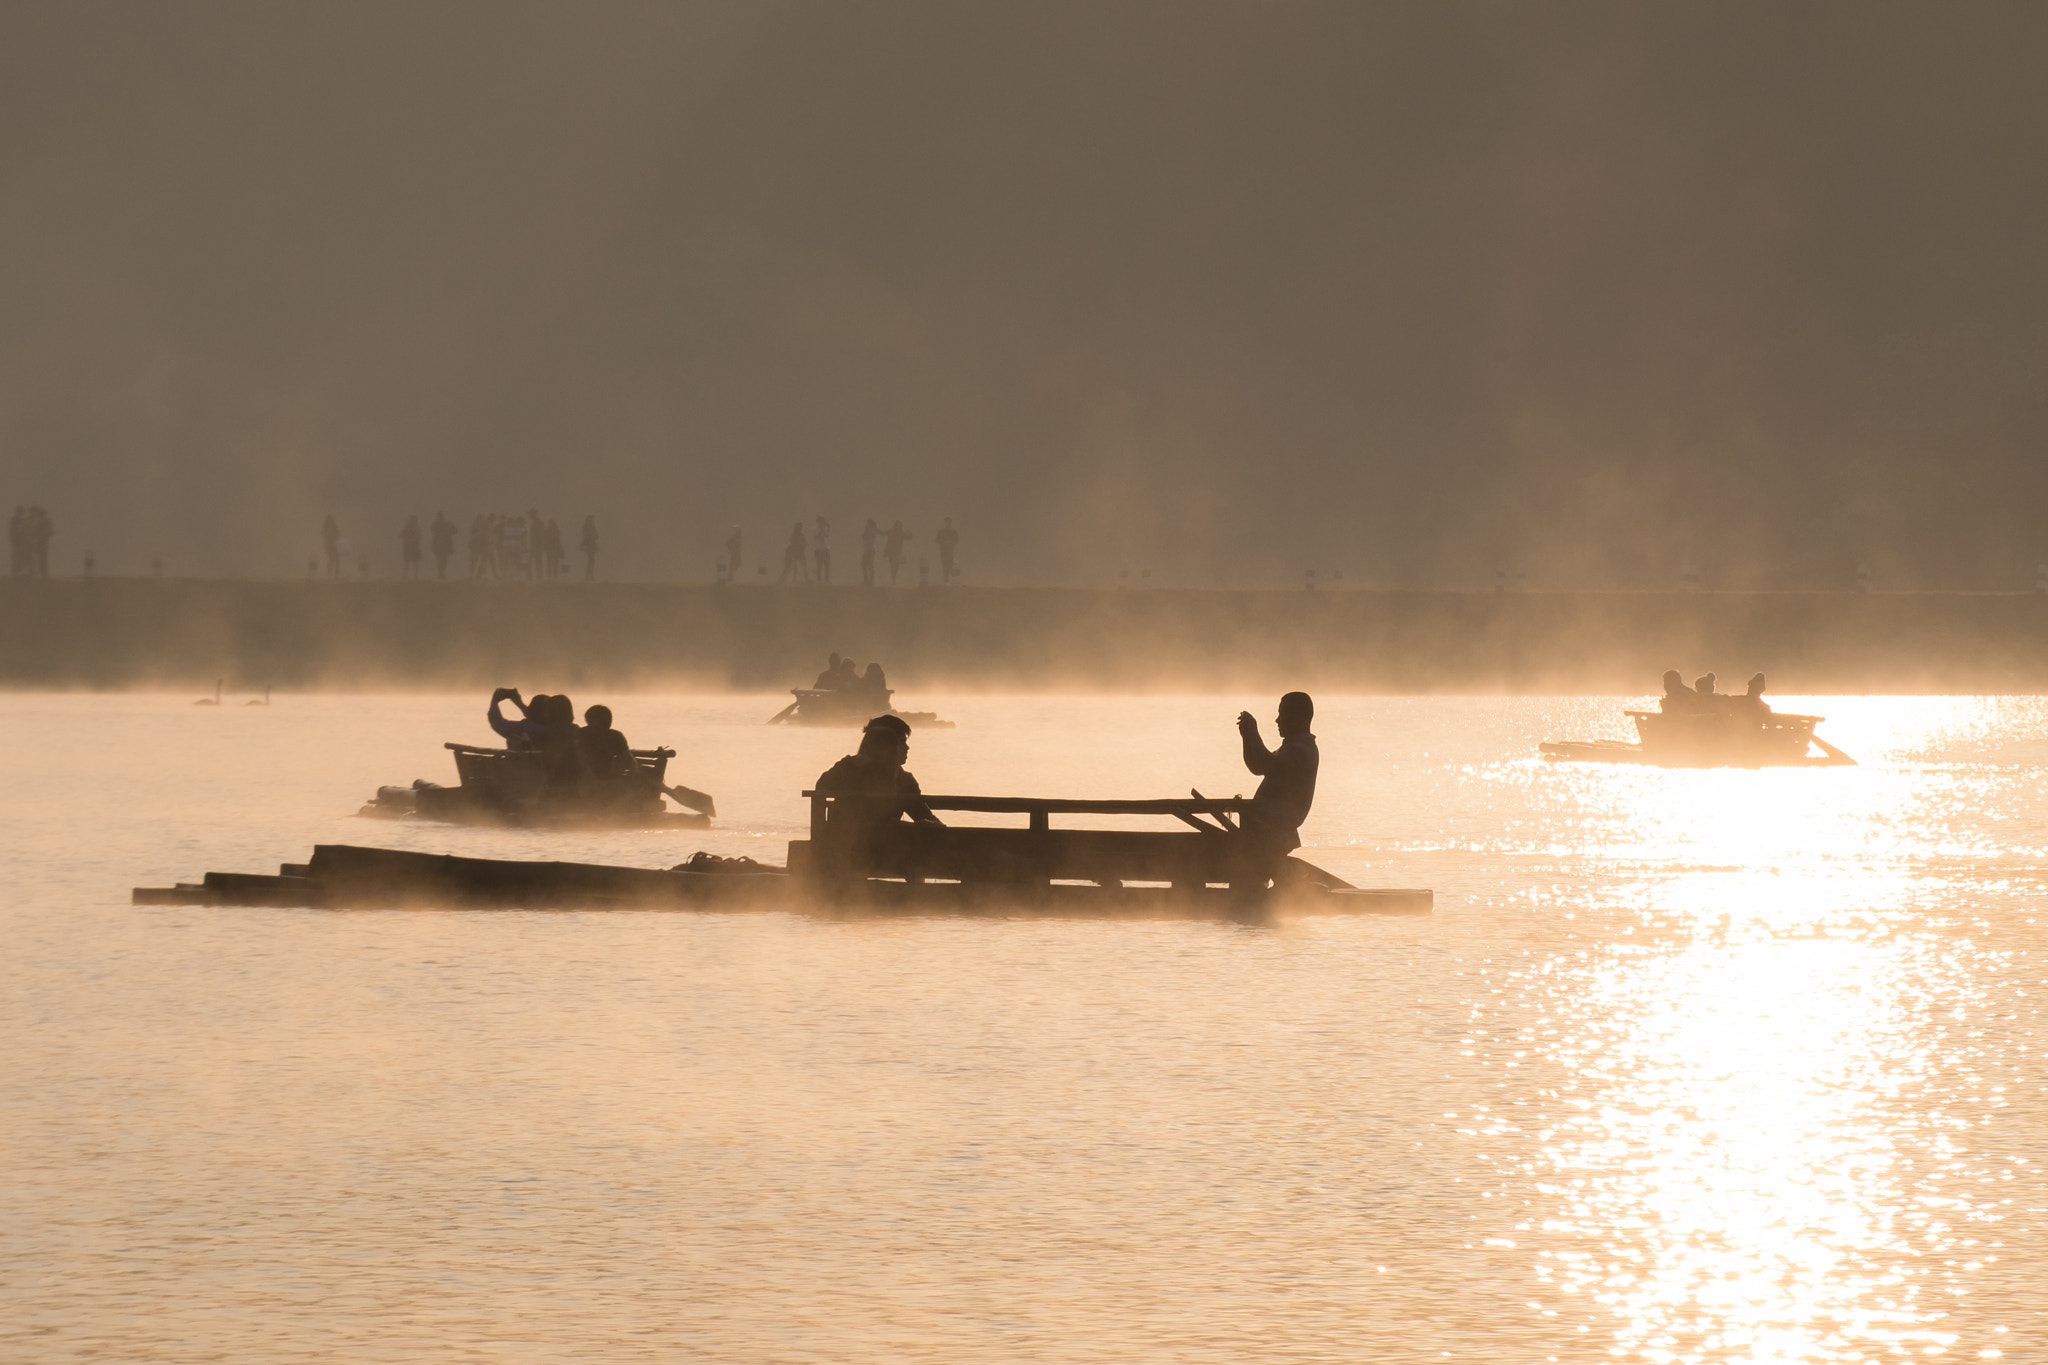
(874, 794)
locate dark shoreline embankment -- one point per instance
(142, 633)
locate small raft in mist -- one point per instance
(1206, 872)
(843, 707)
(1709, 740)
(511, 787)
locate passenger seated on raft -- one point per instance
(559, 743)
(1703, 688)
(606, 754)
(1752, 702)
(873, 683)
(828, 681)
(1678, 699)
(524, 733)
(873, 793)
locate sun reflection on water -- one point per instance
(1749, 1153)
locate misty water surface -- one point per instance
(1687, 1066)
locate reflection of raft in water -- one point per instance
(1091, 873)
(510, 787)
(1710, 739)
(850, 706)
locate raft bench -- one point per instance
(1039, 854)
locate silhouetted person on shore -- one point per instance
(443, 533)
(28, 542)
(869, 534)
(821, 551)
(1282, 802)
(409, 548)
(733, 557)
(893, 541)
(330, 544)
(605, 751)
(588, 544)
(873, 792)
(948, 540)
(793, 556)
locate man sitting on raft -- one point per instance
(1283, 799)
(605, 751)
(1678, 699)
(871, 791)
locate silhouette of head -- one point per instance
(1297, 711)
(1704, 684)
(1672, 681)
(886, 737)
(874, 675)
(1756, 685)
(561, 712)
(598, 717)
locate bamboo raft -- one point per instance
(510, 787)
(850, 706)
(922, 870)
(1725, 739)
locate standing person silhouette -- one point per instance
(821, 551)
(948, 540)
(869, 534)
(893, 541)
(443, 533)
(588, 544)
(793, 556)
(330, 544)
(1272, 827)
(733, 557)
(409, 548)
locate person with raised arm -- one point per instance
(1288, 788)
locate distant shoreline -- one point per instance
(352, 635)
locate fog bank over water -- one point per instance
(1218, 290)
(179, 634)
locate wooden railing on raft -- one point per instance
(1041, 809)
(1205, 854)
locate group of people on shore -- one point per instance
(500, 546)
(576, 756)
(528, 547)
(1702, 699)
(29, 532)
(807, 556)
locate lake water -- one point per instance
(1687, 1066)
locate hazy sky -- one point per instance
(1222, 290)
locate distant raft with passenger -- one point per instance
(1697, 727)
(844, 696)
(552, 773)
